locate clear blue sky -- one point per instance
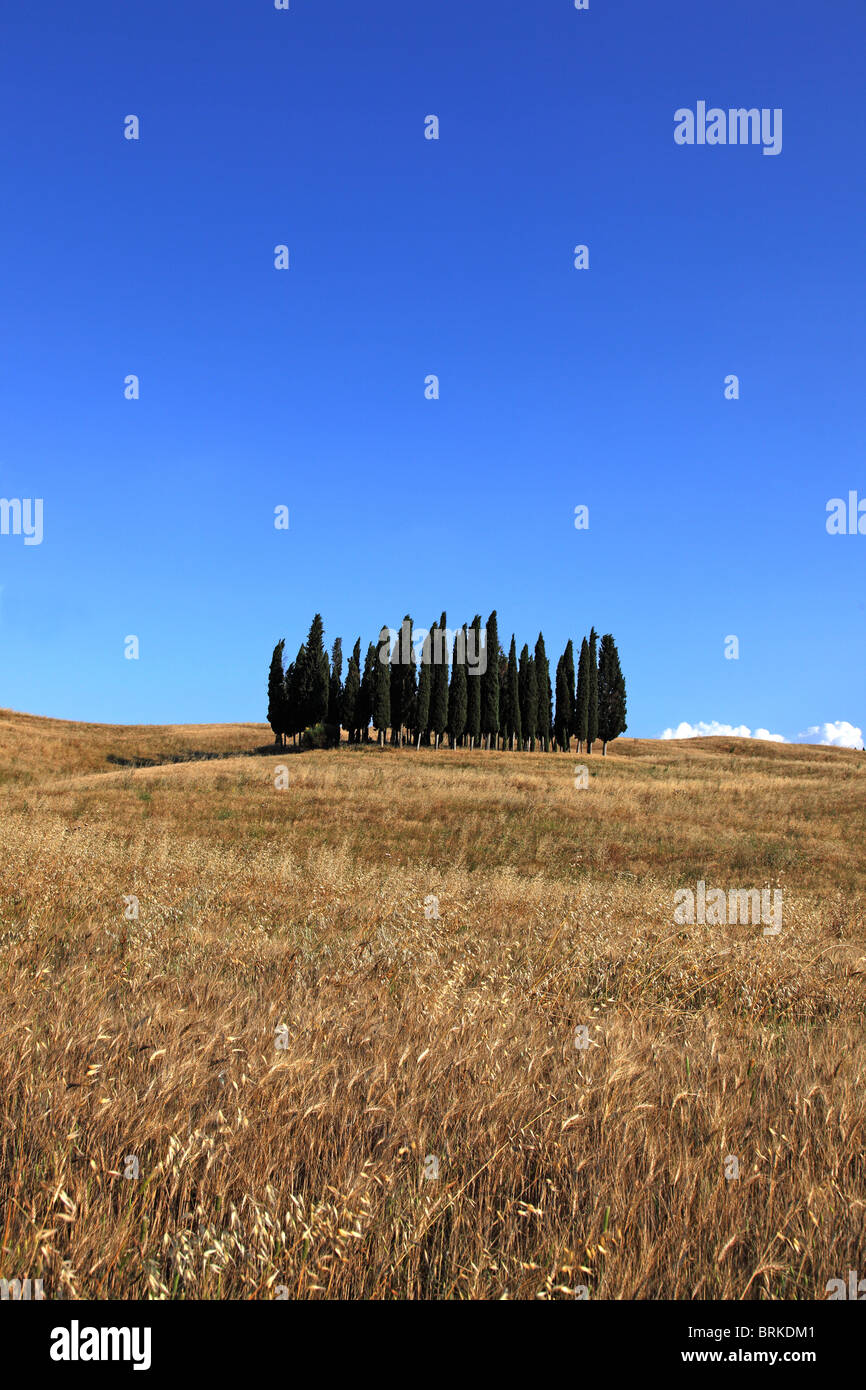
(305, 387)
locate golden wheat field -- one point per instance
(339, 1052)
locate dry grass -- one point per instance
(406, 1035)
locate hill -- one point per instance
(415, 962)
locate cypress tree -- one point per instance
(439, 690)
(505, 717)
(457, 694)
(277, 694)
(532, 701)
(592, 719)
(335, 688)
(528, 696)
(568, 658)
(382, 686)
(365, 699)
(564, 713)
(504, 698)
(288, 706)
(545, 694)
(294, 713)
(581, 704)
(611, 694)
(490, 683)
(402, 680)
(351, 693)
(315, 677)
(410, 689)
(512, 684)
(473, 686)
(425, 682)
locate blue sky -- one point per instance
(408, 257)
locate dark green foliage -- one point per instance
(335, 685)
(425, 686)
(564, 710)
(402, 681)
(457, 694)
(294, 720)
(581, 704)
(382, 686)
(592, 718)
(319, 736)
(528, 696)
(413, 699)
(545, 695)
(365, 702)
(473, 685)
(490, 683)
(277, 694)
(439, 690)
(351, 693)
(511, 690)
(611, 693)
(314, 677)
(568, 661)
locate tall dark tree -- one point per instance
(315, 677)
(568, 659)
(564, 712)
(439, 691)
(457, 693)
(581, 704)
(611, 694)
(402, 680)
(351, 693)
(335, 687)
(505, 718)
(382, 686)
(365, 699)
(412, 698)
(513, 726)
(473, 684)
(528, 689)
(277, 694)
(592, 720)
(425, 686)
(545, 694)
(410, 694)
(294, 712)
(490, 683)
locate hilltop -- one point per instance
(282, 1003)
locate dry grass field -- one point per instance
(329, 987)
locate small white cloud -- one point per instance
(839, 734)
(716, 730)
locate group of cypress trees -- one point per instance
(510, 704)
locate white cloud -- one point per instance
(839, 734)
(716, 730)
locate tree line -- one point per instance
(456, 690)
